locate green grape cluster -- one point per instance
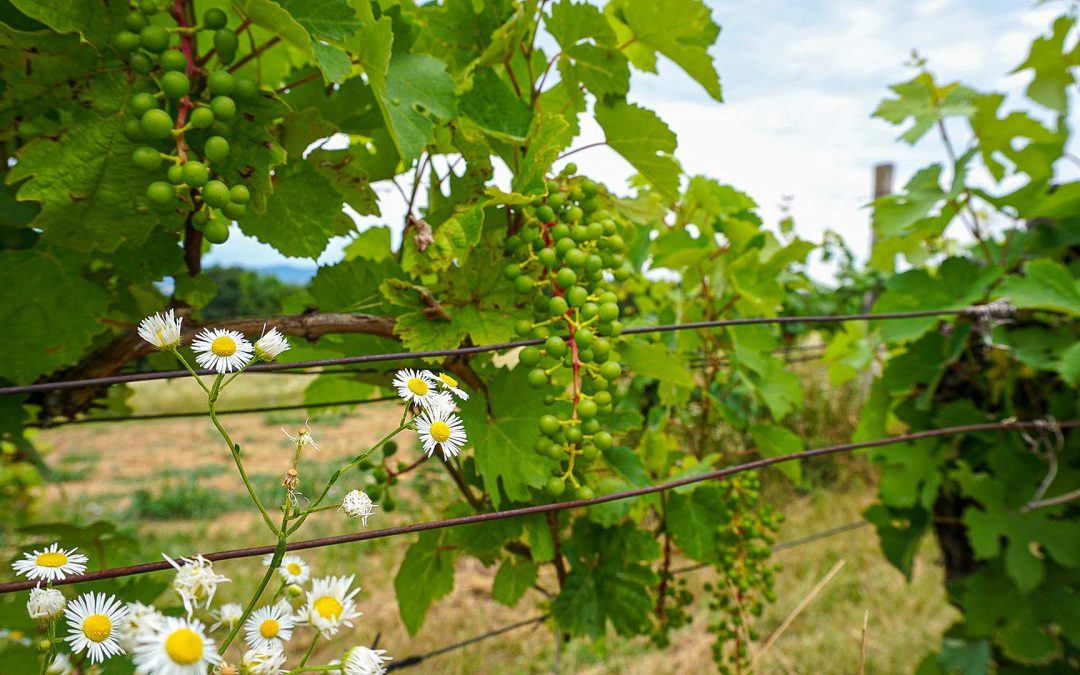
(182, 115)
(566, 253)
(745, 546)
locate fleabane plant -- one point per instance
(278, 619)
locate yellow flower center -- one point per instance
(56, 559)
(447, 379)
(223, 346)
(440, 431)
(294, 568)
(97, 627)
(418, 386)
(269, 628)
(328, 607)
(184, 646)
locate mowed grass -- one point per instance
(174, 485)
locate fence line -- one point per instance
(547, 508)
(398, 356)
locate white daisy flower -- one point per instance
(93, 619)
(263, 662)
(45, 604)
(294, 570)
(303, 437)
(16, 636)
(51, 563)
(270, 627)
(177, 647)
(227, 615)
(140, 620)
(161, 330)
(222, 350)
(357, 504)
(365, 661)
(269, 557)
(271, 345)
(442, 401)
(195, 581)
(452, 386)
(61, 665)
(330, 604)
(415, 386)
(443, 429)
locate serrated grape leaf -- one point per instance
(426, 574)
(645, 141)
(495, 109)
(1025, 640)
(331, 19)
(333, 61)
(1025, 534)
(349, 178)
(967, 658)
(277, 20)
(42, 72)
(656, 361)
(895, 214)
(503, 443)
(416, 88)
(901, 532)
(681, 30)
(693, 520)
(372, 244)
(570, 22)
(56, 322)
(603, 70)
(998, 138)
(483, 540)
(1069, 365)
(354, 286)
(547, 137)
(253, 151)
(1052, 66)
(773, 441)
(515, 576)
(95, 21)
(926, 103)
(504, 41)
(1046, 284)
(301, 216)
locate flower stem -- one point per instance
(310, 649)
(188, 367)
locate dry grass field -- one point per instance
(150, 475)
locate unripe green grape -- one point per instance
(175, 174)
(141, 102)
(573, 434)
(223, 107)
(541, 332)
(388, 504)
(565, 277)
(126, 42)
(216, 231)
(172, 59)
(141, 63)
(549, 425)
(555, 486)
(557, 306)
(156, 123)
(556, 452)
(609, 311)
(511, 271)
(570, 169)
(589, 310)
(160, 192)
(196, 174)
(246, 89)
(556, 200)
(545, 214)
(523, 327)
(611, 329)
(523, 284)
(175, 85)
(602, 398)
(593, 231)
(215, 193)
(239, 194)
(602, 440)
(221, 83)
(574, 214)
(216, 149)
(589, 187)
(575, 257)
(148, 7)
(134, 22)
(537, 378)
(616, 243)
(529, 356)
(541, 445)
(199, 220)
(585, 355)
(214, 18)
(560, 231)
(584, 336)
(555, 346)
(513, 243)
(586, 409)
(234, 211)
(529, 234)
(577, 296)
(133, 131)
(589, 205)
(585, 492)
(579, 233)
(154, 39)
(608, 296)
(226, 43)
(594, 264)
(547, 257)
(590, 426)
(563, 245)
(610, 370)
(622, 273)
(201, 118)
(609, 227)
(146, 158)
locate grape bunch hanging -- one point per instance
(183, 114)
(567, 252)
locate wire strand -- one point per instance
(438, 353)
(253, 551)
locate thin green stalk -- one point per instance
(187, 367)
(315, 669)
(310, 649)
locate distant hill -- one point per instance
(288, 274)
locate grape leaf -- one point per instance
(333, 61)
(602, 70)
(655, 361)
(42, 72)
(773, 441)
(277, 20)
(515, 576)
(1046, 284)
(329, 19)
(571, 22)
(495, 109)
(95, 21)
(253, 151)
(426, 574)
(926, 103)
(645, 141)
(546, 139)
(1052, 66)
(56, 322)
(415, 87)
(693, 520)
(503, 443)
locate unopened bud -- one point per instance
(44, 645)
(294, 591)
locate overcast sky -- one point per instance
(800, 80)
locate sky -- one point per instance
(800, 79)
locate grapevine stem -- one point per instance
(257, 52)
